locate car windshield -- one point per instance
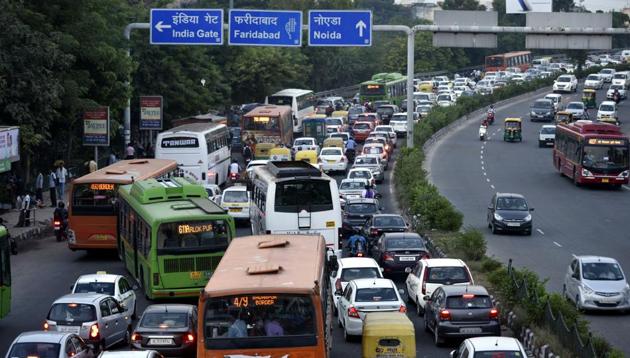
(303, 142)
(601, 271)
(619, 76)
(607, 108)
(498, 354)
(404, 243)
(355, 110)
(593, 77)
(447, 275)
(605, 156)
(235, 196)
(468, 301)
(575, 105)
(334, 121)
(388, 221)
(365, 174)
(352, 185)
(543, 104)
(548, 130)
(340, 135)
(444, 97)
(361, 126)
(564, 79)
(616, 87)
(35, 349)
(376, 294)
(106, 288)
(355, 273)
(361, 208)
(73, 314)
(184, 237)
(399, 117)
(372, 150)
(607, 71)
(385, 110)
(511, 203)
(331, 151)
(164, 320)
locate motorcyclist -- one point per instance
(353, 242)
(234, 167)
(351, 147)
(368, 192)
(247, 153)
(616, 96)
(61, 214)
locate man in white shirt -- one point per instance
(234, 167)
(62, 174)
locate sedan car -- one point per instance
(611, 90)
(49, 345)
(594, 81)
(565, 83)
(607, 74)
(542, 110)
(116, 286)
(356, 213)
(361, 173)
(460, 312)
(395, 252)
(361, 130)
(382, 223)
(490, 347)
(170, 329)
(389, 130)
(577, 109)
(596, 283)
(509, 212)
(348, 269)
(366, 295)
(332, 159)
(352, 188)
(373, 163)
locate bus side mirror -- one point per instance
(333, 264)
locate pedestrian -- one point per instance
(92, 166)
(52, 187)
(247, 153)
(62, 174)
(130, 151)
(39, 188)
(112, 158)
(25, 212)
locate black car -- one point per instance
(170, 329)
(460, 311)
(509, 212)
(382, 223)
(542, 110)
(356, 212)
(394, 252)
(386, 112)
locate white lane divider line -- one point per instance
(482, 162)
(488, 180)
(557, 244)
(492, 186)
(540, 231)
(623, 186)
(482, 168)
(481, 156)
(484, 174)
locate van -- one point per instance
(625, 55)
(621, 78)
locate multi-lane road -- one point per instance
(567, 219)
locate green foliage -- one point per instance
(489, 264)
(471, 244)
(435, 211)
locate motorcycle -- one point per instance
(234, 177)
(359, 250)
(616, 97)
(61, 228)
(490, 117)
(482, 132)
(350, 153)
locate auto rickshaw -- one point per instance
(262, 150)
(589, 98)
(564, 117)
(280, 154)
(309, 156)
(388, 334)
(334, 142)
(342, 114)
(512, 130)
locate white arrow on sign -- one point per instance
(159, 26)
(361, 26)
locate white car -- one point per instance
(116, 286)
(622, 91)
(547, 135)
(352, 188)
(445, 100)
(366, 295)
(429, 274)
(607, 109)
(459, 89)
(577, 109)
(594, 81)
(334, 124)
(565, 83)
(556, 99)
(596, 283)
(361, 173)
(236, 201)
(621, 78)
(332, 159)
(214, 192)
(351, 268)
(607, 74)
(304, 143)
(253, 164)
(399, 124)
(49, 345)
(490, 347)
(390, 132)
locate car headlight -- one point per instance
(587, 290)
(586, 173)
(533, 113)
(528, 217)
(548, 113)
(624, 174)
(626, 291)
(498, 217)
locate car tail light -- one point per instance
(338, 284)
(388, 256)
(189, 338)
(374, 232)
(494, 313)
(136, 337)
(468, 296)
(445, 315)
(425, 276)
(46, 326)
(57, 223)
(402, 309)
(95, 332)
(344, 159)
(352, 312)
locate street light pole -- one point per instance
(127, 116)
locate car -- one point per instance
(236, 201)
(460, 312)
(382, 223)
(607, 74)
(335, 124)
(332, 159)
(490, 347)
(423, 110)
(399, 124)
(214, 192)
(565, 83)
(389, 130)
(361, 173)
(370, 116)
(458, 90)
(352, 188)
(95, 317)
(353, 113)
(373, 163)
(385, 136)
(49, 345)
(386, 112)
(621, 78)
(594, 81)
(348, 269)
(556, 99)
(606, 110)
(429, 274)
(577, 109)
(611, 90)
(377, 149)
(304, 143)
(445, 100)
(130, 354)
(116, 286)
(249, 169)
(170, 329)
(376, 139)
(356, 212)
(345, 136)
(361, 130)
(366, 295)
(547, 135)
(509, 212)
(395, 251)
(542, 110)
(596, 283)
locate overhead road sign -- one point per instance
(340, 28)
(469, 19)
(186, 27)
(562, 41)
(527, 6)
(265, 28)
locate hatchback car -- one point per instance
(389, 130)
(170, 329)
(542, 110)
(214, 192)
(382, 223)
(332, 159)
(508, 212)
(377, 149)
(361, 173)
(361, 130)
(236, 201)
(429, 274)
(366, 295)
(460, 312)
(348, 269)
(607, 111)
(373, 163)
(565, 83)
(607, 74)
(596, 283)
(304, 143)
(49, 345)
(356, 212)
(594, 81)
(395, 252)
(116, 286)
(507, 347)
(352, 188)
(95, 317)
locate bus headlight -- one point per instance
(624, 174)
(586, 173)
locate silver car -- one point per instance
(577, 109)
(373, 163)
(95, 317)
(49, 345)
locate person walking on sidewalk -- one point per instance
(52, 187)
(130, 151)
(25, 212)
(62, 174)
(39, 188)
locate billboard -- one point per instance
(9, 147)
(525, 6)
(96, 127)
(151, 109)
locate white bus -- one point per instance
(301, 101)
(202, 151)
(293, 197)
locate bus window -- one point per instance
(93, 198)
(289, 196)
(281, 100)
(192, 236)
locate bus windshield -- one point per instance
(93, 198)
(254, 321)
(372, 89)
(186, 237)
(261, 123)
(605, 157)
(281, 100)
(290, 196)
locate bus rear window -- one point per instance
(494, 61)
(303, 194)
(261, 320)
(193, 236)
(261, 123)
(93, 199)
(281, 100)
(372, 89)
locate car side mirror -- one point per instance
(427, 298)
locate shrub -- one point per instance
(471, 244)
(435, 211)
(488, 264)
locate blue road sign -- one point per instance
(265, 28)
(339, 28)
(186, 26)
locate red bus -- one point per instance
(520, 59)
(591, 153)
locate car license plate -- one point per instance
(513, 224)
(236, 210)
(161, 342)
(72, 329)
(604, 180)
(607, 300)
(470, 330)
(407, 258)
(332, 161)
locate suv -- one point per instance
(348, 269)
(236, 201)
(386, 112)
(509, 212)
(95, 317)
(565, 83)
(429, 274)
(116, 286)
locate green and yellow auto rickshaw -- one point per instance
(589, 98)
(564, 117)
(512, 130)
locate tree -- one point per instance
(462, 5)
(563, 5)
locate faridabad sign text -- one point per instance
(96, 127)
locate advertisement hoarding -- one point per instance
(151, 112)
(96, 127)
(9, 147)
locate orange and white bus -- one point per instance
(92, 205)
(500, 62)
(268, 297)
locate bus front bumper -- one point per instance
(176, 292)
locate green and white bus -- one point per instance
(172, 235)
(5, 272)
(390, 87)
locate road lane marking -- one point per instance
(557, 244)
(488, 180)
(484, 173)
(481, 156)
(626, 187)
(492, 186)
(482, 162)
(540, 231)
(482, 168)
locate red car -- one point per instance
(362, 130)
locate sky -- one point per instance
(605, 5)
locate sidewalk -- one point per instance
(39, 229)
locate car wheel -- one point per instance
(578, 305)
(436, 337)
(494, 229)
(419, 308)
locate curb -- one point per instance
(39, 231)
